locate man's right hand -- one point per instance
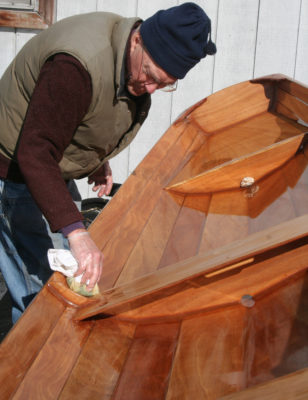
(88, 256)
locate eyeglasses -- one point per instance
(151, 80)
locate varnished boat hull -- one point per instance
(204, 289)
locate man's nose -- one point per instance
(151, 87)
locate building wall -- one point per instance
(253, 38)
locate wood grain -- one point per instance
(292, 386)
(230, 174)
(134, 221)
(52, 366)
(176, 274)
(30, 20)
(99, 366)
(147, 369)
(34, 328)
(256, 276)
(296, 106)
(244, 138)
(236, 103)
(184, 240)
(150, 247)
(209, 360)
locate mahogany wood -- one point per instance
(255, 276)
(20, 348)
(229, 175)
(236, 103)
(147, 377)
(39, 381)
(193, 267)
(202, 295)
(246, 137)
(292, 386)
(97, 370)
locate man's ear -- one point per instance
(135, 40)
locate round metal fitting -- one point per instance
(247, 182)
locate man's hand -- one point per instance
(88, 256)
(102, 180)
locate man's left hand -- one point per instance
(102, 180)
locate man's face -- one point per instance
(145, 75)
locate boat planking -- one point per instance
(204, 291)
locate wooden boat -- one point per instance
(204, 290)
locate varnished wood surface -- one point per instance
(45, 16)
(97, 370)
(23, 344)
(291, 387)
(230, 174)
(173, 321)
(172, 276)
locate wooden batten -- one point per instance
(123, 297)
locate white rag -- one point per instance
(63, 261)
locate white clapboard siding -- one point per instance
(236, 37)
(301, 70)
(127, 8)
(277, 37)
(66, 8)
(7, 47)
(253, 37)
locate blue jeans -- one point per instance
(25, 237)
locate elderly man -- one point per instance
(74, 97)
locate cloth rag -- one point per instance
(63, 261)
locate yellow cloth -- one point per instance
(80, 288)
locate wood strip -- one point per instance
(230, 174)
(299, 192)
(195, 266)
(218, 227)
(225, 287)
(236, 347)
(277, 332)
(51, 368)
(146, 255)
(102, 228)
(98, 368)
(34, 329)
(294, 88)
(245, 137)
(297, 107)
(292, 386)
(147, 369)
(281, 210)
(185, 238)
(278, 201)
(126, 233)
(209, 360)
(283, 110)
(232, 105)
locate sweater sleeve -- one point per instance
(58, 104)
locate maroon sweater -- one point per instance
(59, 102)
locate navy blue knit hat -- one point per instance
(178, 38)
